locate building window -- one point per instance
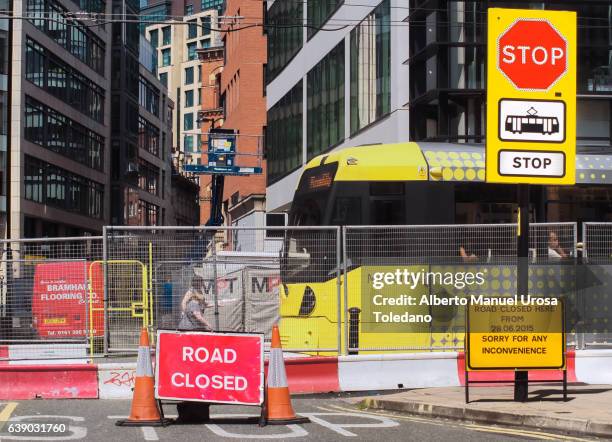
(318, 13)
(199, 73)
(325, 105)
(189, 98)
(166, 59)
(207, 5)
(206, 25)
(148, 96)
(65, 82)
(148, 177)
(188, 121)
(166, 35)
(199, 97)
(284, 40)
(191, 51)
(188, 143)
(205, 43)
(154, 38)
(163, 78)
(371, 68)
(284, 135)
(188, 9)
(148, 136)
(189, 75)
(54, 131)
(48, 184)
(192, 29)
(71, 34)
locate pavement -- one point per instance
(332, 419)
(587, 411)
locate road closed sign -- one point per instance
(225, 368)
(504, 335)
(531, 97)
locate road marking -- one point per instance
(383, 422)
(296, 430)
(5, 414)
(539, 434)
(504, 430)
(149, 433)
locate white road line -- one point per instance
(149, 433)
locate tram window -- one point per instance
(387, 212)
(387, 188)
(347, 211)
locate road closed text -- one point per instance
(202, 380)
(210, 367)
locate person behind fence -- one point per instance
(193, 306)
(555, 251)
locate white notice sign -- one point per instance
(531, 163)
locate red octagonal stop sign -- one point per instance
(532, 54)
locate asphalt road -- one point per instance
(332, 419)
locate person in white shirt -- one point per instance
(555, 251)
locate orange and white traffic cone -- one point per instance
(278, 408)
(144, 410)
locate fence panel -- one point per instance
(238, 271)
(445, 261)
(46, 298)
(596, 311)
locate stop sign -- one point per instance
(532, 54)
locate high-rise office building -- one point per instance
(397, 71)
(180, 71)
(58, 136)
(326, 90)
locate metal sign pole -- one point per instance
(521, 378)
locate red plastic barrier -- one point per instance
(317, 374)
(534, 375)
(70, 381)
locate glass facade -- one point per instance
(54, 131)
(447, 68)
(148, 96)
(51, 185)
(284, 135)
(318, 13)
(189, 75)
(283, 41)
(148, 136)
(371, 68)
(166, 57)
(50, 73)
(325, 103)
(148, 177)
(191, 51)
(166, 32)
(205, 5)
(189, 98)
(74, 36)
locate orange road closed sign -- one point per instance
(515, 337)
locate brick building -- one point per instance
(242, 96)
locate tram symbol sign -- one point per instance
(532, 120)
(532, 54)
(531, 97)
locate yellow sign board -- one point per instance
(515, 337)
(531, 97)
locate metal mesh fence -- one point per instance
(45, 298)
(73, 297)
(225, 279)
(444, 261)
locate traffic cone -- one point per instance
(278, 408)
(144, 410)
